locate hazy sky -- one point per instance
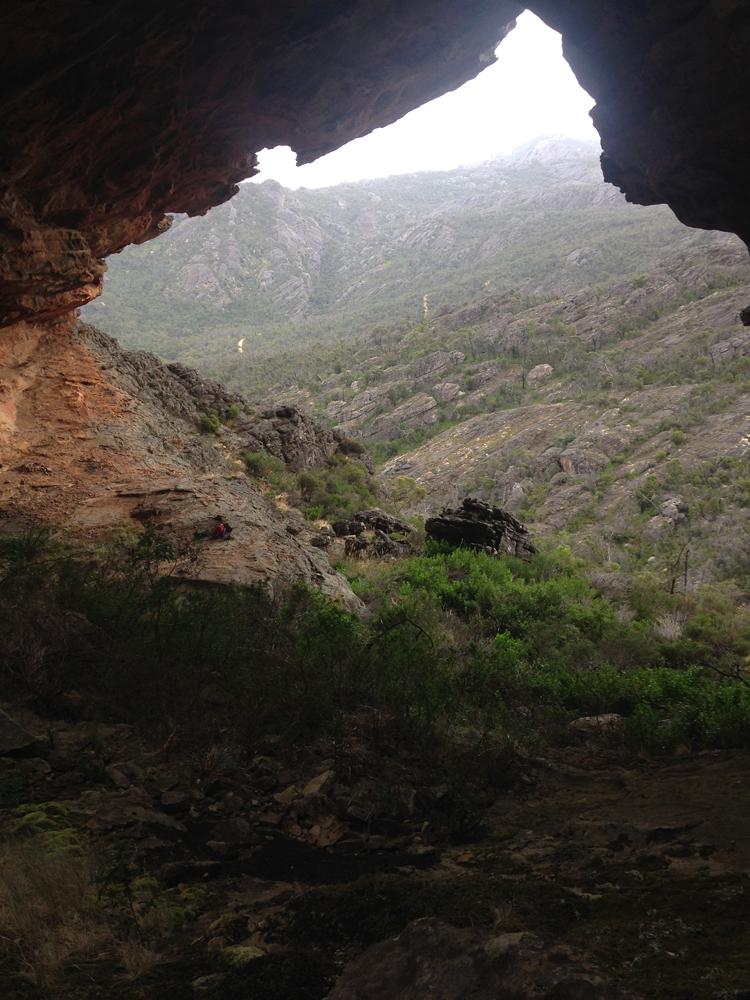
(529, 91)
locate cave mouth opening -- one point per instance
(529, 92)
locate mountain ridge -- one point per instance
(282, 268)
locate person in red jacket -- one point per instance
(220, 530)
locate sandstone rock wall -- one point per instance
(96, 437)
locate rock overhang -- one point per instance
(114, 115)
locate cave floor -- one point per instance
(643, 863)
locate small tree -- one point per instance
(403, 491)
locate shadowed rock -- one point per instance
(13, 738)
(380, 521)
(480, 525)
(435, 960)
(114, 116)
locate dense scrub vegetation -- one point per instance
(335, 490)
(466, 666)
(456, 639)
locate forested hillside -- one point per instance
(282, 268)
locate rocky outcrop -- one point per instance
(259, 547)
(675, 508)
(673, 511)
(583, 461)
(433, 366)
(380, 521)
(447, 392)
(292, 436)
(479, 525)
(343, 528)
(364, 406)
(727, 351)
(538, 374)
(421, 410)
(430, 958)
(286, 432)
(380, 546)
(94, 436)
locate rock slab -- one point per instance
(433, 959)
(480, 525)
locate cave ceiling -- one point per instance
(117, 113)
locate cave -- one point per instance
(115, 115)
(312, 800)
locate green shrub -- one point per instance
(209, 423)
(678, 437)
(261, 465)
(456, 638)
(337, 491)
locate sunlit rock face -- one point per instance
(115, 114)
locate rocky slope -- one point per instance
(564, 410)
(95, 438)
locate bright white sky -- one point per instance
(530, 91)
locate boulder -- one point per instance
(727, 351)
(656, 528)
(674, 508)
(379, 547)
(582, 462)
(538, 374)
(446, 392)
(480, 525)
(343, 528)
(292, 436)
(433, 959)
(384, 547)
(13, 738)
(380, 521)
(355, 546)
